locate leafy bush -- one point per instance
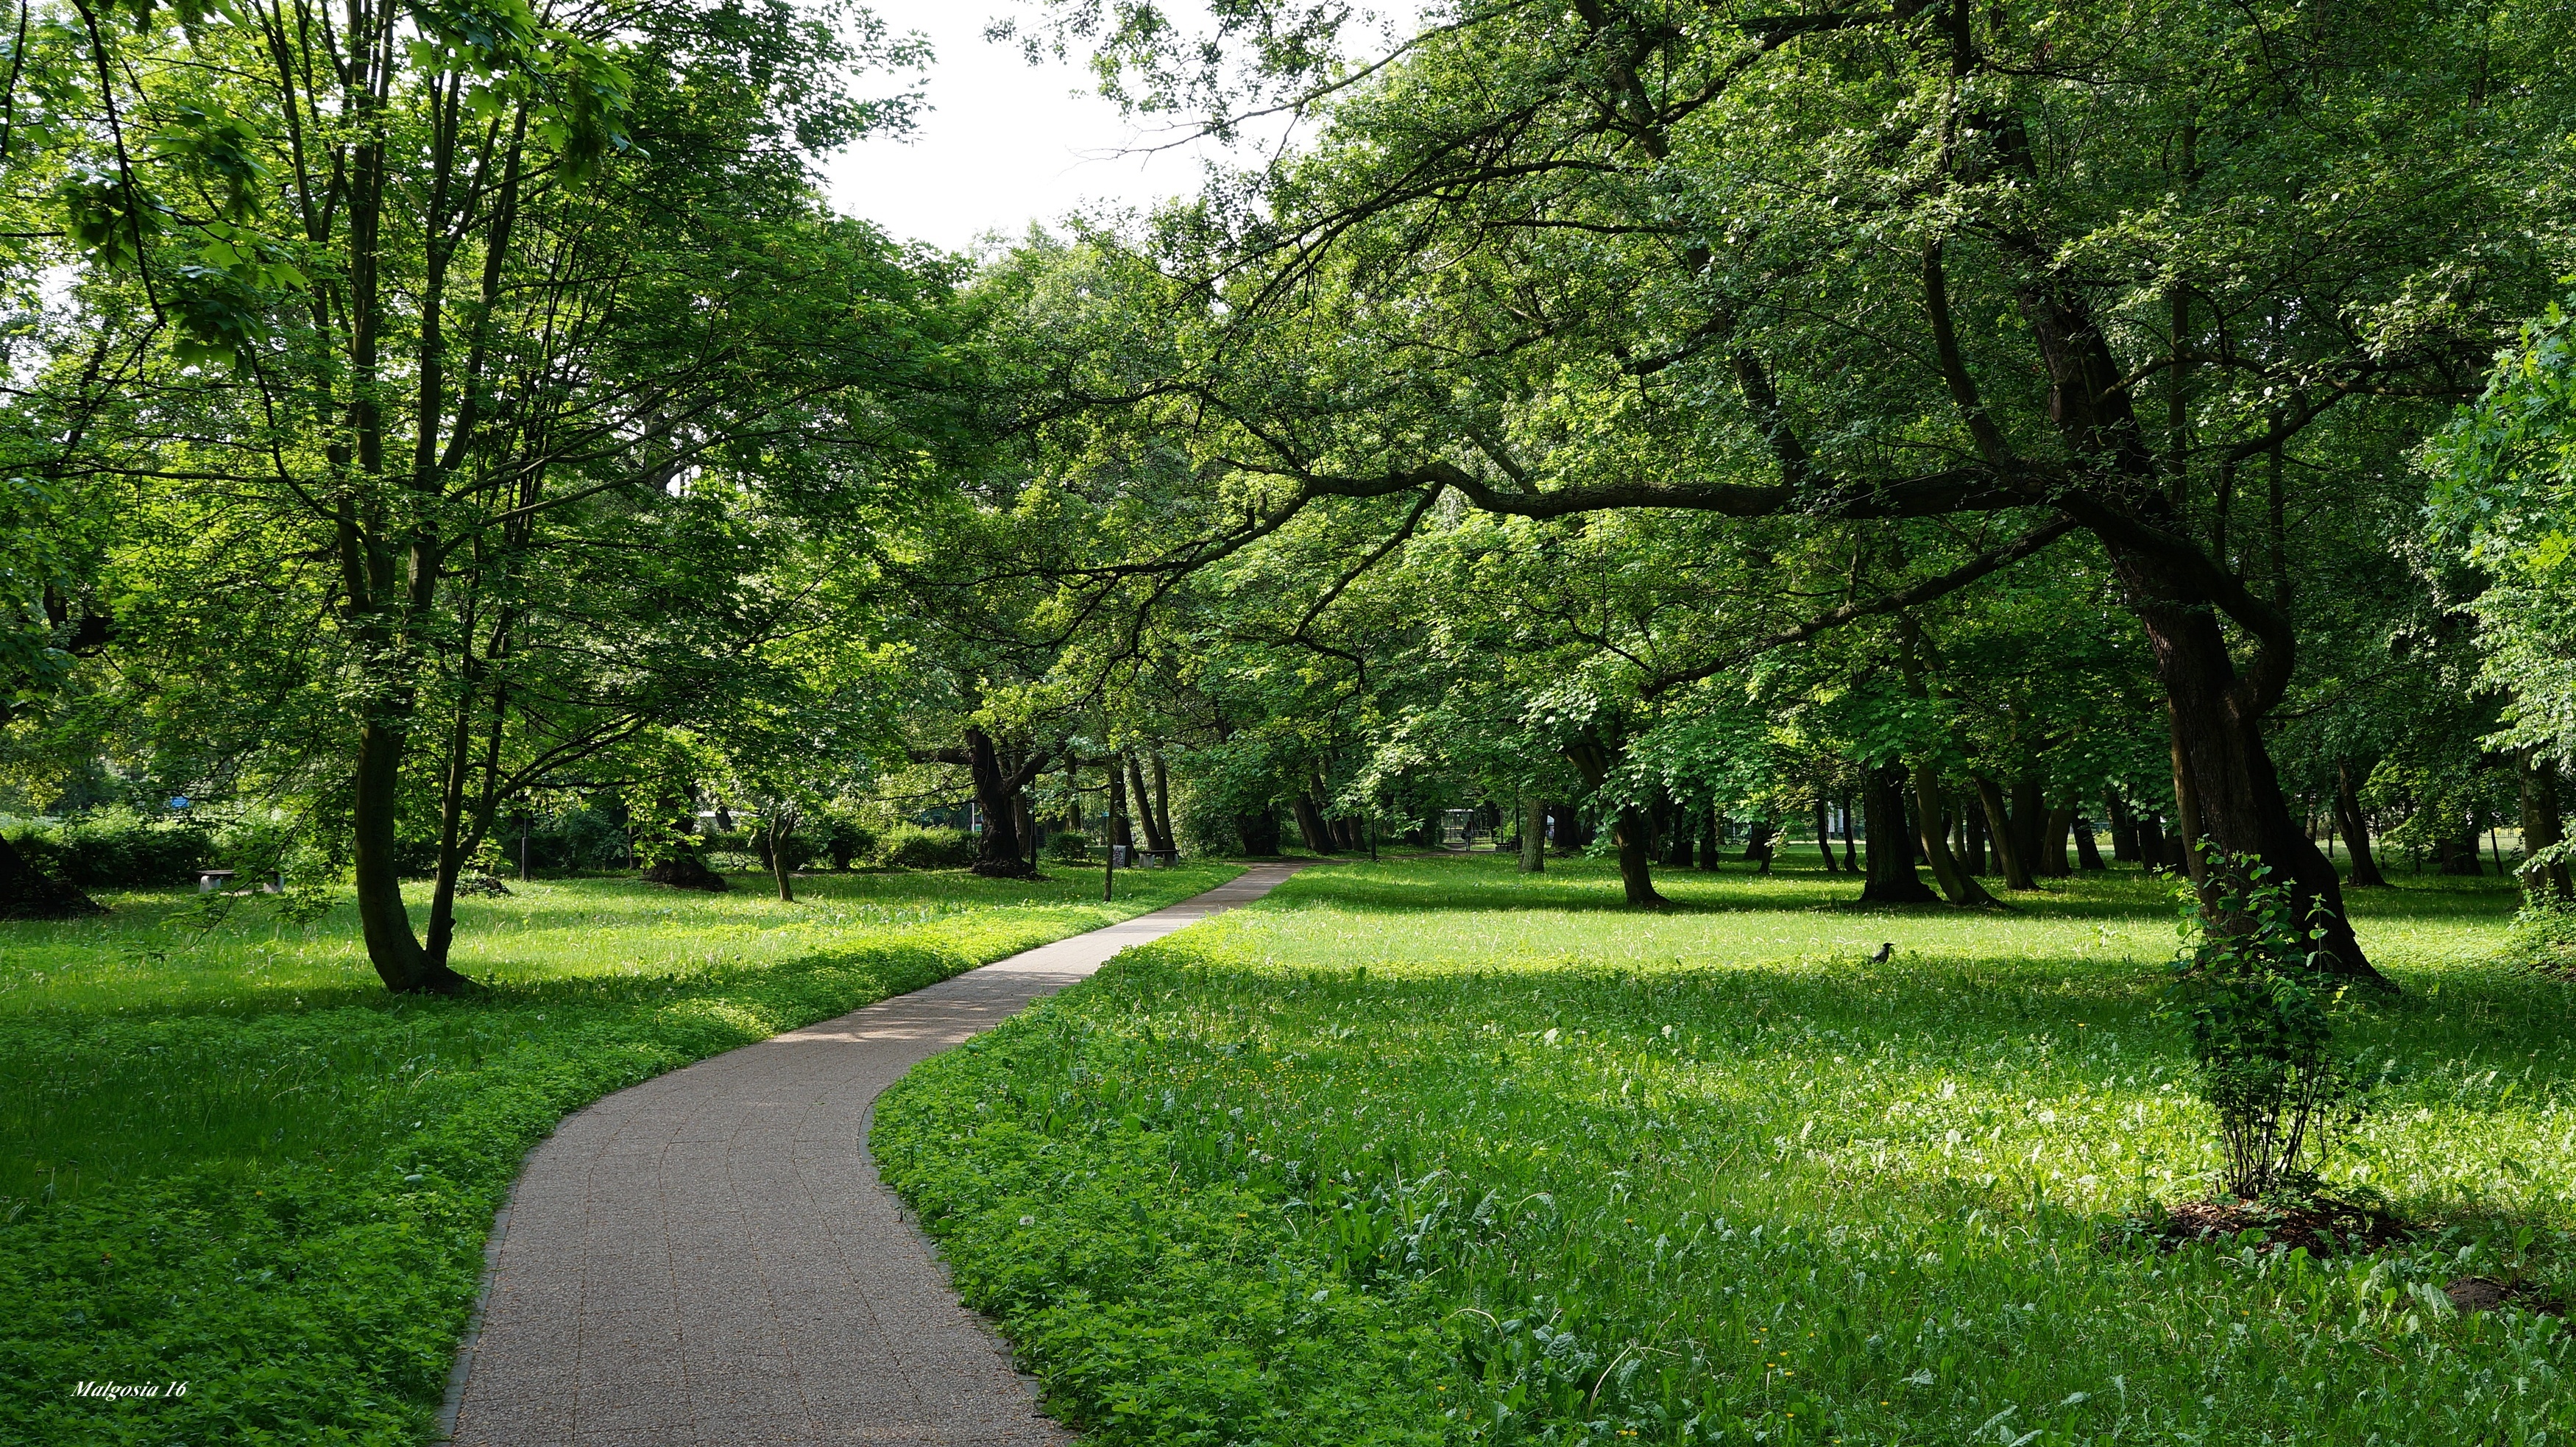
(118, 848)
(840, 835)
(1069, 847)
(2543, 937)
(2262, 1043)
(911, 847)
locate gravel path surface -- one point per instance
(709, 1257)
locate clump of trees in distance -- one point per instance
(1984, 438)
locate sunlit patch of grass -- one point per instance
(1700, 1176)
(148, 954)
(137, 1047)
(233, 1159)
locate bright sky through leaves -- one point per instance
(1004, 143)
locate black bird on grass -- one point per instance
(1884, 953)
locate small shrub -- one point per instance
(2543, 937)
(1068, 847)
(2262, 1042)
(912, 847)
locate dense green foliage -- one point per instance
(116, 848)
(234, 1161)
(1707, 1175)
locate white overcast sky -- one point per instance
(1003, 142)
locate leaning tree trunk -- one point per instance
(2224, 780)
(375, 803)
(1890, 856)
(1137, 791)
(2356, 829)
(1955, 882)
(26, 892)
(1824, 834)
(998, 854)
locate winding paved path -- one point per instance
(709, 1257)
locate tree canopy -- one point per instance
(1654, 425)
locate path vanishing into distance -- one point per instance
(709, 1257)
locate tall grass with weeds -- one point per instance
(231, 1160)
(1430, 1152)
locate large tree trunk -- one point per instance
(2356, 828)
(28, 893)
(1824, 833)
(2008, 857)
(1972, 841)
(2088, 854)
(385, 924)
(1632, 831)
(998, 854)
(2224, 781)
(1851, 852)
(2541, 829)
(2051, 860)
(2029, 822)
(1122, 832)
(1533, 835)
(1318, 836)
(2124, 831)
(2153, 850)
(1891, 878)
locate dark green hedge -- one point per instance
(118, 850)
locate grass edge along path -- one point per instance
(310, 1304)
(1140, 1180)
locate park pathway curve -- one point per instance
(709, 1257)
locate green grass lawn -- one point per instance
(1427, 1151)
(228, 1157)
